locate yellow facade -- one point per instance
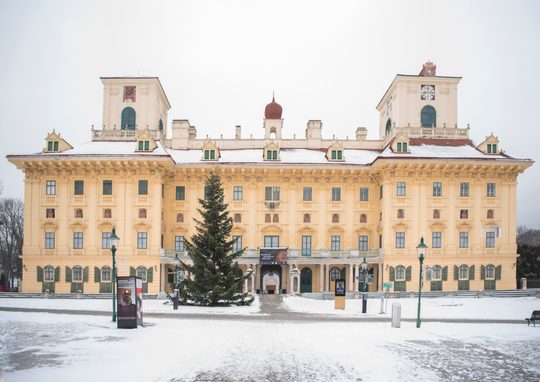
(353, 199)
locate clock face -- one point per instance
(427, 92)
(389, 106)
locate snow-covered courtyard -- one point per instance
(271, 342)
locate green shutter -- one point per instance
(57, 274)
(132, 271)
(456, 272)
(85, 274)
(445, 273)
(498, 271)
(68, 275)
(49, 146)
(97, 275)
(39, 274)
(482, 272)
(150, 275)
(392, 274)
(471, 272)
(408, 272)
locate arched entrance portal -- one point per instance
(271, 279)
(305, 280)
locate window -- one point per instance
(275, 218)
(400, 213)
(106, 240)
(143, 187)
(306, 245)
(437, 189)
(436, 239)
(463, 214)
(491, 190)
(206, 192)
(128, 119)
(337, 155)
(335, 218)
(238, 193)
(490, 239)
(179, 218)
(463, 240)
(268, 218)
(336, 194)
(307, 218)
(107, 187)
(335, 274)
(49, 240)
(271, 154)
(76, 274)
(464, 189)
(271, 241)
(490, 214)
(49, 213)
(162, 190)
(363, 218)
(210, 154)
(52, 146)
(180, 192)
(237, 244)
(401, 189)
(50, 187)
(144, 145)
(436, 273)
(105, 274)
(107, 214)
(364, 194)
(271, 193)
(491, 148)
(141, 240)
(490, 272)
(428, 116)
(77, 240)
(381, 193)
(237, 218)
(141, 272)
(78, 213)
(436, 214)
(463, 272)
(335, 243)
(79, 187)
(307, 194)
(362, 243)
(48, 274)
(380, 241)
(400, 239)
(179, 244)
(402, 147)
(142, 213)
(400, 273)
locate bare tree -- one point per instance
(11, 240)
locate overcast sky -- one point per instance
(219, 62)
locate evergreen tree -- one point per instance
(216, 277)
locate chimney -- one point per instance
(237, 134)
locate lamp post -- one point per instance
(421, 251)
(176, 286)
(114, 243)
(365, 276)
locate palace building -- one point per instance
(308, 211)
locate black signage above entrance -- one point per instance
(273, 256)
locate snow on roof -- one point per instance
(111, 148)
(436, 151)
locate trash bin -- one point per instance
(396, 315)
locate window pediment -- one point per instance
(272, 228)
(142, 225)
(490, 145)
(50, 225)
(400, 226)
(437, 226)
(271, 151)
(145, 143)
(54, 143)
(210, 151)
(335, 152)
(401, 144)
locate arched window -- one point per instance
(363, 218)
(388, 125)
(128, 119)
(428, 116)
(490, 272)
(237, 218)
(335, 274)
(400, 213)
(160, 125)
(48, 273)
(141, 272)
(105, 274)
(400, 273)
(142, 213)
(275, 218)
(77, 274)
(463, 272)
(107, 214)
(436, 214)
(335, 218)
(179, 218)
(490, 214)
(436, 274)
(78, 213)
(307, 218)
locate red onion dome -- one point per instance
(273, 110)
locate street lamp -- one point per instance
(114, 243)
(365, 276)
(179, 275)
(421, 251)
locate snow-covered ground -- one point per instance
(58, 347)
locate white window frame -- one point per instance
(179, 243)
(237, 244)
(238, 193)
(363, 243)
(464, 239)
(436, 239)
(463, 272)
(141, 272)
(50, 240)
(400, 239)
(306, 245)
(50, 187)
(364, 194)
(48, 270)
(401, 189)
(436, 273)
(78, 240)
(271, 241)
(336, 194)
(142, 240)
(400, 273)
(335, 243)
(272, 193)
(491, 190)
(464, 189)
(490, 272)
(490, 239)
(307, 194)
(106, 277)
(77, 274)
(437, 189)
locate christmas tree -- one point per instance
(216, 278)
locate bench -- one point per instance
(535, 316)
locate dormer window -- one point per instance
(209, 154)
(144, 145)
(271, 154)
(402, 147)
(492, 148)
(337, 155)
(52, 146)
(401, 144)
(490, 145)
(271, 151)
(54, 143)
(335, 152)
(210, 151)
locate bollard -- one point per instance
(396, 315)
(382, 305)
(523, 283)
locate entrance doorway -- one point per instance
(305, 280)
(270, 279)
